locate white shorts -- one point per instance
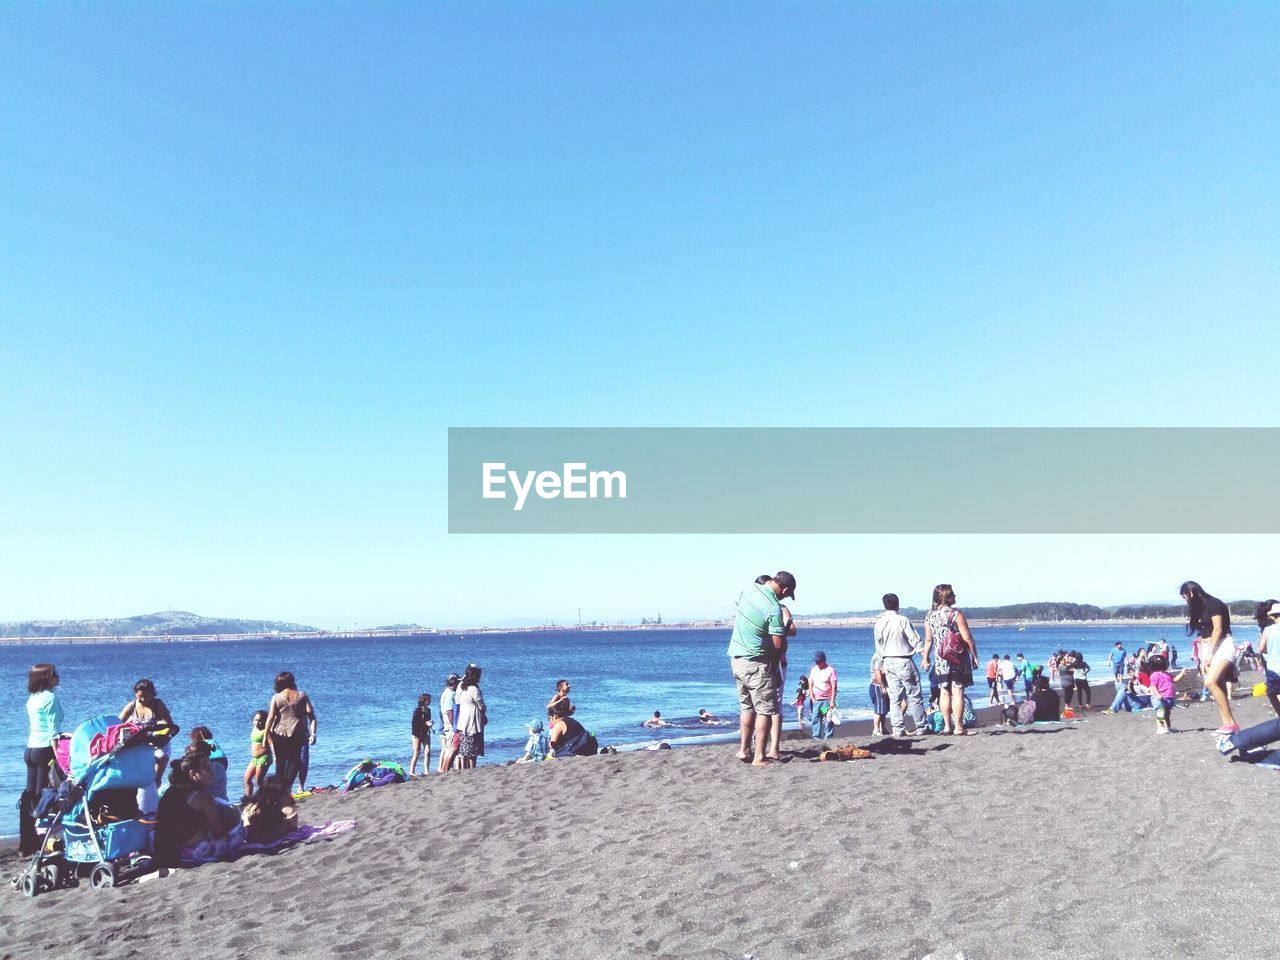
(1226, 651)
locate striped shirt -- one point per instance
(759, 618)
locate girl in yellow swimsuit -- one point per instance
(259, 755)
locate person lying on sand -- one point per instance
(656, 720)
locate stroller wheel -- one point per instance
(103, 876)
(29, 884)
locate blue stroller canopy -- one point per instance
(127, 768)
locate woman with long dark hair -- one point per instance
(190, 821)
(144, 708)
(44, 723)
(421, 724)
(289, 721)
(1208, 617)
(946, 631)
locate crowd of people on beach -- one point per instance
(188, 799)
(763, 629)
(190, 804)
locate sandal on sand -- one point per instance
(965, 733)
(844, 753)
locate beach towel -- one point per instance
(304, 834)
(233, 846)
(103, 743)
(211, 851)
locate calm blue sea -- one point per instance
(365, 689)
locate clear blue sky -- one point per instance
(256, 258)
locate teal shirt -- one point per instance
(44, 713)
(759, 617)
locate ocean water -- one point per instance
(365, 690)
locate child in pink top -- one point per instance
(1162, 692)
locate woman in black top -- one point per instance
(1047, 706)
(1081, 671)
(1208, 616)
(421, 725)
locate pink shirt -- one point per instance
(822, 682)
(1162, 685)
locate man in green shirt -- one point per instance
(758, 632)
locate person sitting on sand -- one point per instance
(1131, 696)
(202, 740)
(1048, 706)
(190, 822)
(568, 737)
(259, 754)
(1249, 739)
(656, 721)
(705, 717)
(538, 745)
(270, 814)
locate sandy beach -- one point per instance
(1093, 839)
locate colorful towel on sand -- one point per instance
(232, 847)
(304, 834)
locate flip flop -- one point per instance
(965, 733)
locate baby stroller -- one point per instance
(92, 817)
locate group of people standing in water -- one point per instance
(188, 799)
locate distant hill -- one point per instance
(166, 623)
(1051, 612)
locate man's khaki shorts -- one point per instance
(757, 687)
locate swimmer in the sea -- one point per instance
(656, 720)
(706, 717)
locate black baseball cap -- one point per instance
(788, 583)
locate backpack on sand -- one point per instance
(1027, 712)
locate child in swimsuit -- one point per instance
(259, 755)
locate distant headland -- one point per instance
(181, 625)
